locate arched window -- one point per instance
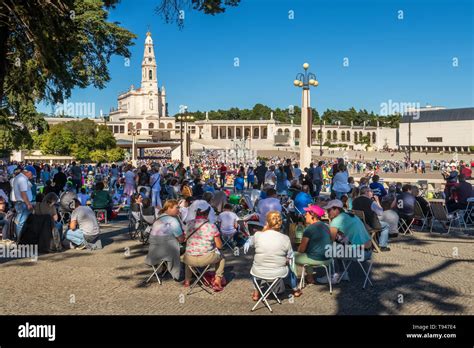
(238, 133)
(162, 125)
(355, 137)
(170, 125)
(368, 137)
(256, 133)
(149, 49)
(343, 136)
(287, 132)
(297, 134)
(265, 133)
(334, 135)
(151, 104)
(319, 134)
(150, 127)
(139, 126)
(129, 127)
(247, 133)
(280, 131)
(360, 136)
(313, 136)
(150, 74)
(229, 133)
(348, 136)
(374, 137)
(328, 135)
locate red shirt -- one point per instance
(467, 172)
(223, 170)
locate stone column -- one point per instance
(305, 146)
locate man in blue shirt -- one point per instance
(377, 188)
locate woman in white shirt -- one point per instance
(272, 254)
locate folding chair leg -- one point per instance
(328, 274)
(198, 280)
(264, 295)
(346, 270)
(303, 274)
(367, 274)
(375, 244)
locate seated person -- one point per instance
(463, 191)
(4, 223)
(424, 205)
(101, 199)
(148, 211)
(349, 227)
(316, 237)
(270, 203)
(219, 199)
(370, 205)
(83, 227)
(389, 215)
(273, 251)
(48, 207)
(406, 204)
(83, 196)
(228, 221)
(202, 246)
(302, 200)
(165, 236)
(377, 188)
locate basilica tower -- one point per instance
(149, 75)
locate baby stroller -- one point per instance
(66, 206)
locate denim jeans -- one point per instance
(383, 239)
(317, 188)
(75, 236)
(113, 182)
(155, 198)
(22, 214)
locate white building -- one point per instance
(438, 129)
(145, 107)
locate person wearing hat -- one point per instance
(350, 226)
(316, 237)
(22, 197)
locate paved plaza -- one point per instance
(425, 274)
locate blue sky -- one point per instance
(402, 60)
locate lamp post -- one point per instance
(305, 80)
(185, 119)
(321, 136)
(133, 132)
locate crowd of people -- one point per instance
(193, 212)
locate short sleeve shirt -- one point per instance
(86, 220)
(319, 237)
(227, 220)
(166, 225)
(352, 227)
(201, 241)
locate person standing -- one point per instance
(260, 173)
(222, 173)
(155, 187)
(22, 197)
(318, 178)
(76, 174)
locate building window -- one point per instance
(139, 126)
(150, 127)
(435, 139)
(149, 49)
(130, 126)
(111, 128)
(116, 129)
(151, 104)
(170, 125)
(150, 74)
(122, 129)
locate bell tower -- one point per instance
(149, 76)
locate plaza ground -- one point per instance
(425, 274)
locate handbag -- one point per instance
(182, 246)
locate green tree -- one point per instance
(47, 48)
(104, 138)
(116, 154)
(98, 156)
(169, 10)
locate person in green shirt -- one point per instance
(316, 238)
(101, 199)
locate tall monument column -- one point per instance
(305, 80)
